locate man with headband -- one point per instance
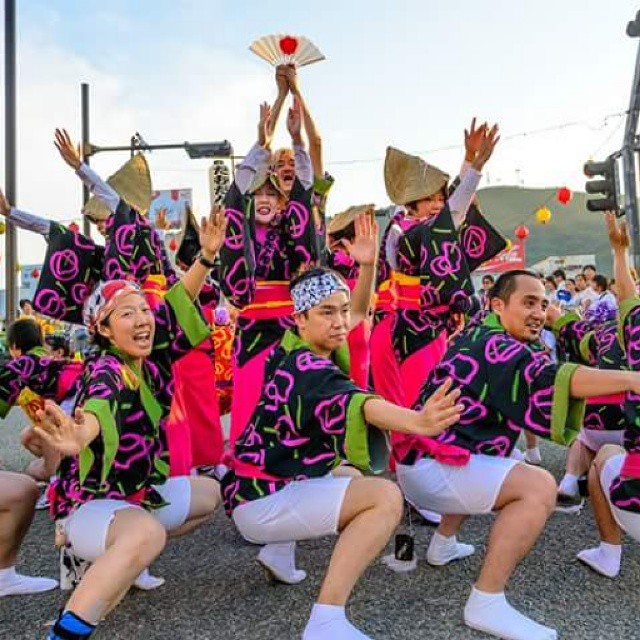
(311, 417)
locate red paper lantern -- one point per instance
(74, 227)
(522, 232)
(564, 195)
(173, 244)
(288, 45)
(35, 274)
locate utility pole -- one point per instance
(86, 158)
(629, 150)
(10, 158)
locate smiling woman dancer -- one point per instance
(112, 499)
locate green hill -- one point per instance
(572, 229)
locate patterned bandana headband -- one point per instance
(103, 301)
(313, 290)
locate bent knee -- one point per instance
(543, 490)
(606, 452)
(18, 491)
(391, 499)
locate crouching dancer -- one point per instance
(506, 384)
(614, 477)
(309, 418)
(112, 499)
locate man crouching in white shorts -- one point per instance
(614, 479)
(507, 384)
(310, 417)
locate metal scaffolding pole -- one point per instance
(10, 156)
(84, 107)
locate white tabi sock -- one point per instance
(279, 559)
(491, 613)
(533, 456)
(604, 559)
(146, 582)
(445, 549)
(14, 584)
(329, 621)
(569, 485)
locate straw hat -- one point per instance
(342, 220)
(133, 184)
(189, 240)
(409, 178)
(261, 177)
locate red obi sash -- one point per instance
(272, 300)
(386, 297)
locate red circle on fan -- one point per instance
(288, 45)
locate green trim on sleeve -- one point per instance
(567, 413)
(583, 347)
(5, 407)
(563, 321)
(187, 314)
(101, 409)
(626, 307)
(366, 446)
(322, 186)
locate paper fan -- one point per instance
(287, 49)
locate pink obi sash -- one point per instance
(449, 454)
(272, 300)
(251, 472)
(616, 399)
(68, 377)
(631, 466)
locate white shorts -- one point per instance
(304, 509)
(594, 439)
(88, 526)
(627, 520)
(472, 489)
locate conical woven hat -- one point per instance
(189, 239)
(409, 178)
(133, 184)
(342, 220)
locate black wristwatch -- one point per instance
(204, 262)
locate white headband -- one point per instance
(313, 290)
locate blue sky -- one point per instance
(411, 74)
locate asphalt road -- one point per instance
(214, 589)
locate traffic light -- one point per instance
(606, 186)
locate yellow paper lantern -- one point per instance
(3, 228)
(543, 215)
(509, 245)
(18, 267)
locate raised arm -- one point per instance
(212, 234)
(479, 145)
(283, 90)
(619, 241)
(315, 142)
(304, 172)
(364, 250)
(257, 160)
(72, 156)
